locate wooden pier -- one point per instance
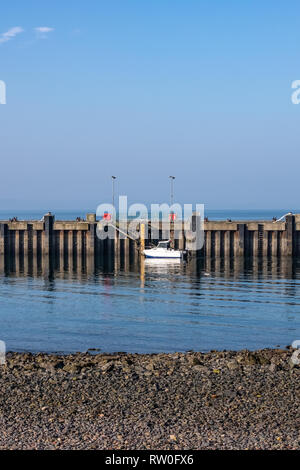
(222, 239)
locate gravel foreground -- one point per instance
(217, 400)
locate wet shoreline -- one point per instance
(216, 400)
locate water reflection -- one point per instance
(86, 266)
(70, 304)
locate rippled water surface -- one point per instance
(150, 307)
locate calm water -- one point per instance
(150, 307)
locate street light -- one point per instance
(172, 189)
(113, 190)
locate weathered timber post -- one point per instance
(30, 237)
(142, 237)
(217, 244)
(247, 242)
(172, 233)
(255, 243)
(208, 243)
(290, 228)
(274, 243)
(2, 264)
(239, 241)
(70, 243)
(265, 243)
(25, 241)
(79, 243)
(91, 219)
(126, 253)
(3, 238)
(193, 247)
(181, 242)
(227, 244)
(47, 235)
(17, 242)
(116, 250)
(34, 243)
(61, 242)
(116, 244)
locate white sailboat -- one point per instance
(163, 250)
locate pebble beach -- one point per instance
(216, 400)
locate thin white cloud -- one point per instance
(42, 31)
(10, 34)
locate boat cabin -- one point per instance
(164, 244)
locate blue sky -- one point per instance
(142, 90)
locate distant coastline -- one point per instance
(212, 214)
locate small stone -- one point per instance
(232, 365)
(198, 368)
(107, 367)
(71, 368)
(251, 359)
(195, 361)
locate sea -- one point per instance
(150, 306)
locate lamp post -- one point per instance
(172, 189)
(113, 190)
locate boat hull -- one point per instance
(157, 253)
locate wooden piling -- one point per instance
(217, 244)
(47, 244)
(25, 242)
(34, 243)
(117, 244)
(3, 228)
(70, 242)
(255, 243)
(91, 240)
(172, 234)
(61, 242)
(227, 244)
(181, 240)
(126, 254)
(17, 242)
(274, 248)
(142, 237)
(79, 243)
(265, 244)
(283, 243)
(239, 240)
(117, 248)
(290, 225)
(208, 244)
